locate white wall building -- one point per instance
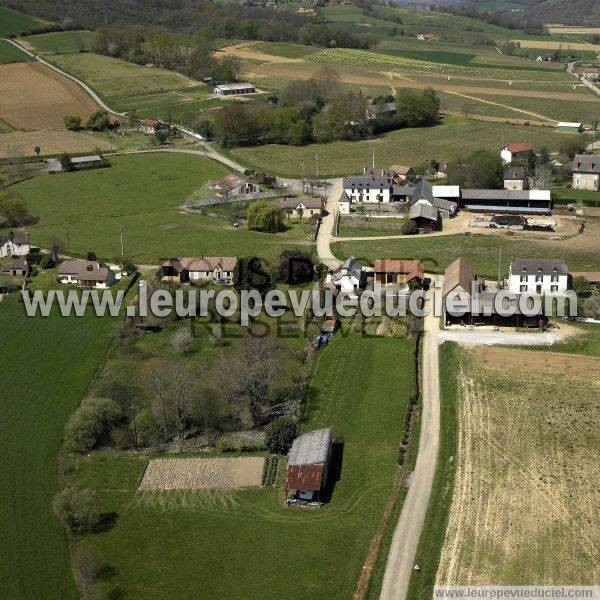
(14, 244)
(538, 276)
(371, 187)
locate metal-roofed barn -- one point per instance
(308, 464)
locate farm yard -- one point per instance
(35, 97)
(525, 494)
(141, 192)
(229, 543)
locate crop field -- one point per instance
(34, 560)
(525, 494)
(142, 193)
(59, 42)
(35, 97)
(405, 146)
(12, 21)
(557, 45)
(200, 532)
(10, 54)
(202, 473)
(123, 84)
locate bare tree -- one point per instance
(87, 564)
(183, 339)
(157, 377)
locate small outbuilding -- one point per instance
(308, 465)
(234, 89)
(568, 127)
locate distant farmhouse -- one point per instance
(14, 244)
(517, 151)
(399, 272)
(586, 172)
(18, 267)
(377, 110)
(308, 465)
(86, 273)
(591, 73)
(514, 179)
(233, 185)
(185, 269)
(348, 278)
(538, 276)
(234, 89)
(428, 37)
(148, 126)
(307, 206)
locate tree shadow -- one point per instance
(106, 523)
(335, 471)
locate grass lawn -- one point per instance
(405, 146)
(142, 192)
(62, 41)
(243, 544)
(10, 54)
(565, 195)
(480, 250)
(47, 365)
(12, 21)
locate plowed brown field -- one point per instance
(35, 97)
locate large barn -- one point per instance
(308, 464)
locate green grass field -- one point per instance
(243, 544)
(62, 41)
(10, 54)
(12, 21)
(47, 365)
(480, 250)
(405, 146)
(284, 49)
(142, 193)
(566, 195)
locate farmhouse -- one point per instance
(14, 244)
(514, 178)
(591, 73)
(349, 277)
(586, 172)
(538, 276)
(370, 187)
(19, 267)
(86, 273)
(148, 126)
(428, 37)
(233, 185)
(307, 207)
(402, 272)
(183, 269)
(308, 465)
(381, 109)
(568, 127)
(234, 89)
(518, 151)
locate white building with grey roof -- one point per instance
(539, 276)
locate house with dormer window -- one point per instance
(538, 276)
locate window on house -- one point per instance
(554, 288)
(539, 278)
(523, 277)
(554, 278)
(524, 269)
(523, 288)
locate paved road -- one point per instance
(325, 235)
(403, 549)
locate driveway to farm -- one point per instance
(401, 557)
(325, 235)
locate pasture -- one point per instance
(525, 494)
(59, 42)
(34, 560)
(35, 97)
(405, 146)
(12, 21)
(10, 54)
(241, 543)
(142, 193)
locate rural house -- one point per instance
(308, 464)
(86, 273)
(402, 272)
(19, 267)
(518, 151)
(148, 126)
(514, 178)
(233, 185)
(234, 89)
(428, 37)
(538, 276)
(183, 269)
(370, 187)
(349, 277)
(15, 243)
(307, 207)
(586, 172)
(381, 110)
(591, 73)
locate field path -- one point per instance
(401, 557)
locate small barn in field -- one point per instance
(308, 465)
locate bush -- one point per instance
(92, 423)
(280, 434)
(78, 509)
(409, 227)
(264, 215)
(46, 262)
(72, 122)
(65, 161)
(98, 120)
(183, 340)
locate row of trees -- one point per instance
(97, 121)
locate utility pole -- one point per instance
(317, 167)
(302, 171)
(373, 161)
(68, 242)
(122, 246)
(499, 263)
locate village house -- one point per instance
(538, 276)
(586, 172)
(591, 73)
(399, 272)
(517, 151)
(233, 185)
(18, 267)
(14, 244)
(148, 126)
(307, 207)
(348, 278)
(234, 89)
(86, 273)
(186, 269)
(308, 465)
(371, 187)
(514, 179)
